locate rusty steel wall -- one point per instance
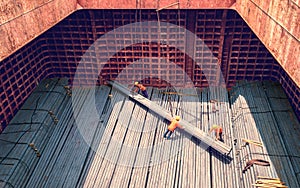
(131, 4)
(56, 53)
(23, 20)
(277, 24)
(228, 38)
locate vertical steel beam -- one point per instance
(190, 43)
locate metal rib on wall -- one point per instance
(57, 52)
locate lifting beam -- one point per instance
(188, 127)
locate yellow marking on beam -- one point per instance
(176, 93)
(252, 142)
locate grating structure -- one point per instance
(229, 44)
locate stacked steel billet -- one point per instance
(279, 155)
(24, 140)
(77, 144)
(131, 158)
(114, 155)
(92, 159)
(59, 156)
(190, 129)
(129, 129)
(205, 156)
(175, 144)
(259, 137)
(287, 123)
(51, 150)
(244, 126)
(143, 161)
(162, 157)
(189, 172)
(104, 152)
(219, 114)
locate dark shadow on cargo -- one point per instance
(225, 158)
(267, 106)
